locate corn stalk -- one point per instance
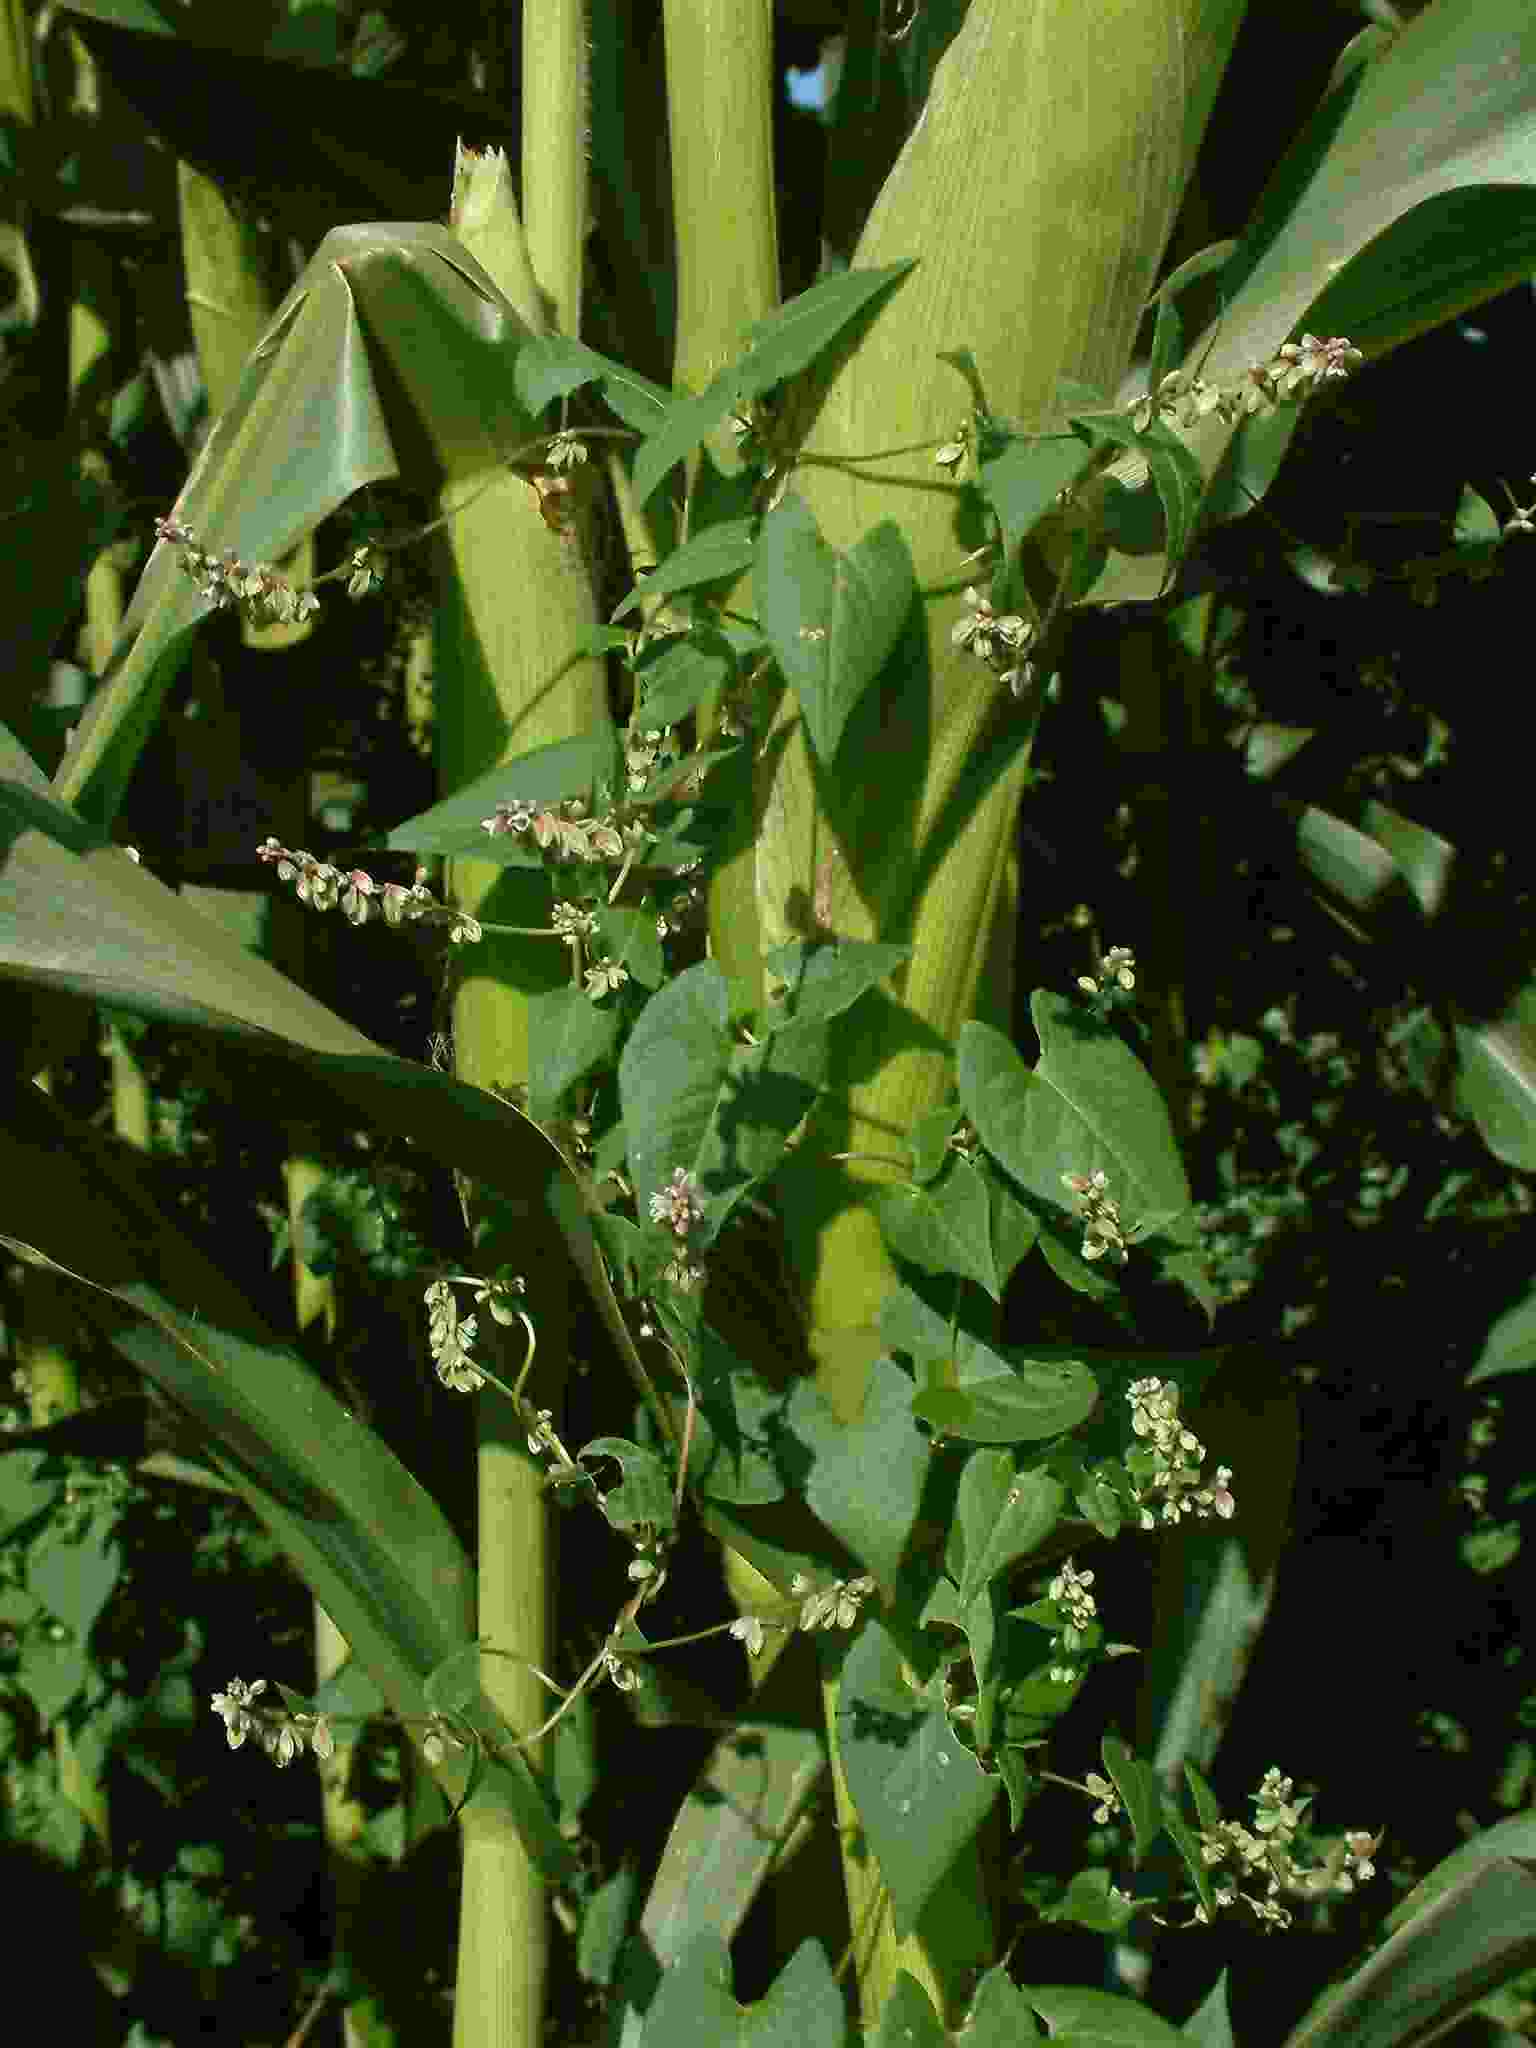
(516, 595)
(1036, 192)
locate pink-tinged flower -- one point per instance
(677, 1204)
(356, 898)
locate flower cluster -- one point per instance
(450, 1335)
(281, 1734)
(573, 922)
(834, 1606)
(563, 829)
(1295, 370)
(1170, 1461)
(1069, 1591)
(1116, 970)
(603, 978)
(677, 1204)
(565, 450)
(1099, 1214)
(996, 637)
(1261, 1857)
(263, 597)
(751, 1630)
(1106, 1795)
(576, 924)
(624, 1675)
(359, 897)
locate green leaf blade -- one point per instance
(833, 620)
(920, 1795)
(867, 1476)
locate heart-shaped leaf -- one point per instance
(920, 1795)
(1088, 1106)
(833, 620)
(867, 1478)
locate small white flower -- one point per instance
(367, 572)
(234, 1707)
(438, 1740)
(834, 1606)
(1107, 1796)
(985, 630)
(565, 450)
(282, 1743)
(624, 1676)
(1117, 967)
(604, 978)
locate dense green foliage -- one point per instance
(1200, 1248)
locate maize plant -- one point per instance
(750, 608)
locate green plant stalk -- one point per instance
(516, 595)
(555, 155)
(1042, 177)
(720, 91)
(1037, 192)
